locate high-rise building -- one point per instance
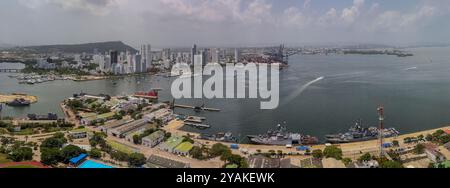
(149, 57)
(215, 55)
(198, 60)
(137, 63)
(236, 55)
(193, 52)
(114, 55)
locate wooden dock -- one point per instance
(193, 107)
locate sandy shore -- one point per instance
(4, 98)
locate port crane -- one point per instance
(281, 54)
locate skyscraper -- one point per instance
(114, 57)
(215, 55)
(193, 53)
(236, 55)
(149, 58)
(138, 63)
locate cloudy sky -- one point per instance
(224, 22)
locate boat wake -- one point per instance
(299, 91)
(411, 68)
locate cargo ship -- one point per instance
(281, 137)
(220, 137)
(359, 133)
(19, 102)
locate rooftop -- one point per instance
(154, 135)
(77, 159)
(184, 147)
(173, 142)
(106, 115)
(155, 161)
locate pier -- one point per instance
(193, 107)
(9, 70)
(198, 125)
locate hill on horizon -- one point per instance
(101, 47)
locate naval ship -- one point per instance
(359, 133)
(281, 137)
(19, 102)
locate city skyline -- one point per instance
(165, 23)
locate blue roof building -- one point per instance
(78, 159)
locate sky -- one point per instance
(181, 23)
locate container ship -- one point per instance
(359, 133)
(281, 137)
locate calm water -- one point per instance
(414, 90)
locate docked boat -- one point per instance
(220, 137)
(359, 133)
(282, 137)
(19, 102)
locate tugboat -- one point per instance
(359, 133)
(281, 137)
(19, 102)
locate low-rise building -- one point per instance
(124, 129)
(155, 161)
(101, 117)
(183, 148)
(367, 164)
(114, 124)
(171, 144)
(164, 114)
(259, 161)
(153, 139)
(78, 134)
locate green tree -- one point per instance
(333, 152)
(136, 160)
(56, 141)
(50, 156)
(317, 154)
(197, 153)
(419, 149)
(21, 154)
(97, 138)
(219, 149)
(70, 152)
(346, 161)
(95, 153)
(365, 157)
(137, 139)
(395, 143)
(391, 164)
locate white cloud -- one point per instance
(306, 4)
(96, 7)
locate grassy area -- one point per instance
(28, 131)
(3, 158)
(120, 147)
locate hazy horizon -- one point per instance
(180, 23)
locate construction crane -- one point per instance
(381, 128)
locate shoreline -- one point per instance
(6, 98)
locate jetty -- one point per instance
(194, 108)
(197, 125)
